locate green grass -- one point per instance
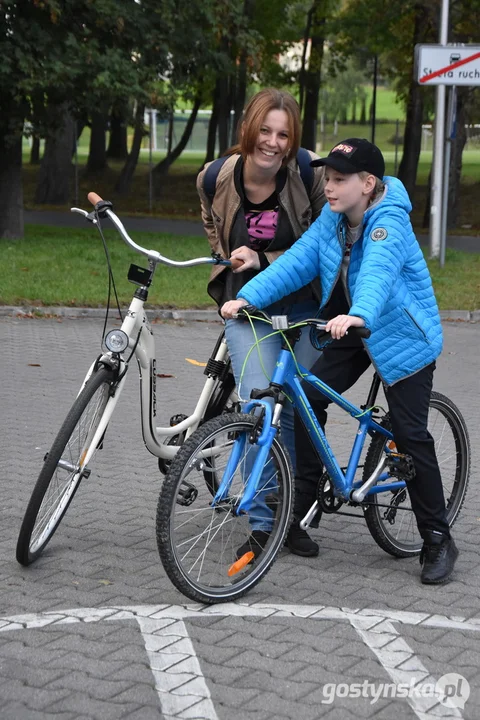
(61, 266)
(65, 267)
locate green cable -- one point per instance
(257, 342)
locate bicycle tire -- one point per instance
(198, 543)
(395, 530)
(56, 486)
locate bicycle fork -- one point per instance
(264, 442)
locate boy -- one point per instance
(364, 249)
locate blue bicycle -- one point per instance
(233, 472)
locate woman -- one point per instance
(260, 207)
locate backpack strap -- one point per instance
(210, 177)
(306, 171)
(211, 174)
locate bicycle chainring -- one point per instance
(325, 496)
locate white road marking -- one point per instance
(179, 681)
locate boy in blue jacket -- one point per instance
(373, 274)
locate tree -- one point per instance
(312, 76)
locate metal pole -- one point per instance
(396, 148)
(438, 148)
(374, 99)
(450, 135)
(150, 163)
(75, 130)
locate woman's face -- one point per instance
(273, 142)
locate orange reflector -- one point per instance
(392, 446)
(240, 564)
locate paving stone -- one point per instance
(104, 554)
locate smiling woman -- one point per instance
(260, 206)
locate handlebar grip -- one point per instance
(236, 263)
(94, 198)
(247, 310)
(361, 332)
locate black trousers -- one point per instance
(340, 366)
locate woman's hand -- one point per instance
(244, 258)
(339, 325)
(231, 308)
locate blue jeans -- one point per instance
(240, 339)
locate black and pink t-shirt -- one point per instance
(261, 221)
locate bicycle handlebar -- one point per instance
(152, 255)
(318, 323)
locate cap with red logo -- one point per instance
(353, 156)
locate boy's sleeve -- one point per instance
(295, 268)
(385, 252)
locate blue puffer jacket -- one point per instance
(388, 281)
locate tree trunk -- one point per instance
(11, 188)
(35, 150)
(126, 176)
(212, 129)
(163, 166)
(412, 140)
(302, 74)
(53, 187)
(97, 155)
(223, 113)
(363, 112)
(313, 77)
(117, 143)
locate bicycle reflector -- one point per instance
(116, 341)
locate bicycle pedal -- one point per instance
(177, 419)
(401, 466)
(187, 494)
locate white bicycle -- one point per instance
(83, 431)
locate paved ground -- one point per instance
(468, 243)
(95, 629)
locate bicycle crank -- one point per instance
(325, 496)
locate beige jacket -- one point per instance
(219, 215)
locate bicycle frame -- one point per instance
(289, 376)
(141, 344)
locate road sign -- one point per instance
(447, 64)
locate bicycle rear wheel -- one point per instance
(394, 528)
(63, 468)
(209, 553)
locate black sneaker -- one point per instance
(255, 543)
(437, 557)
(300, 543)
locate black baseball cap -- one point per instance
(353, 156)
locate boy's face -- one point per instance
(348, 194)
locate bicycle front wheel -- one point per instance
(210, 553)
(63, 467)
(394, 527)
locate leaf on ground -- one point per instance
(34, 365)
(196, 362)
(165, 375)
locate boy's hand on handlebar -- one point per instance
(231, 308)
(244, 258)
(339, 325)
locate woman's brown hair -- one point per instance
(254, 116)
